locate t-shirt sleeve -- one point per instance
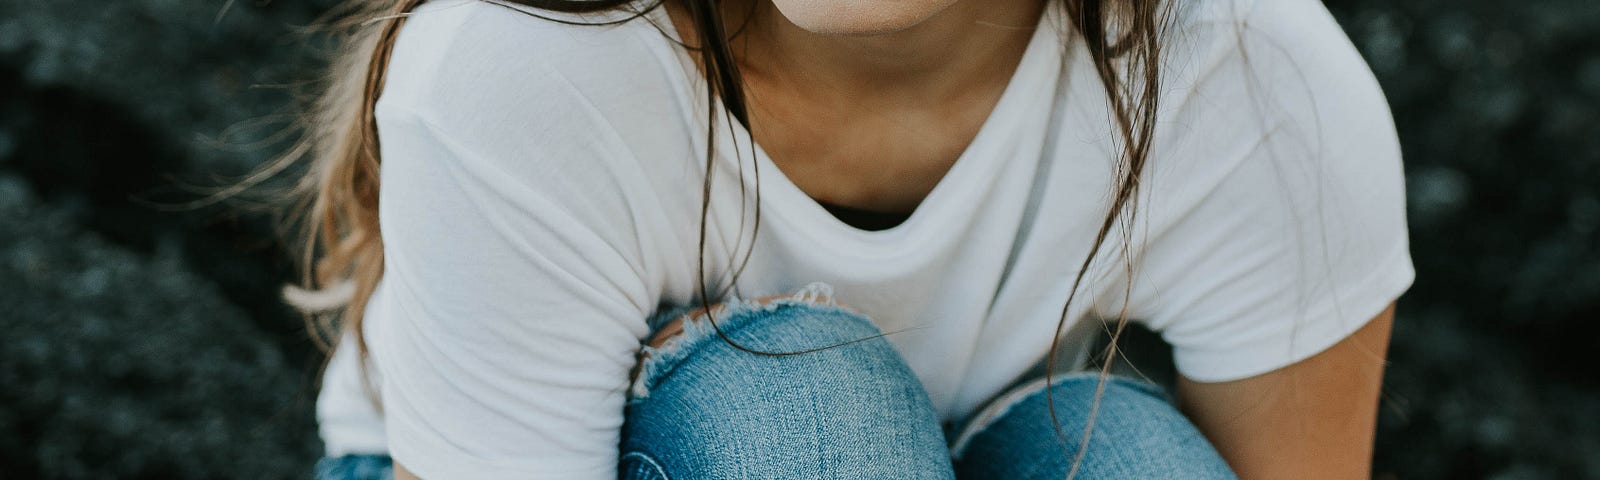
(506, 323)
(1275, 197)
(515, 286)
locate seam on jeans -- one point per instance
(648, 460)
(659, 360)
(999, 407)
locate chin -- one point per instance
(859, 17)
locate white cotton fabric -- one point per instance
(541, 194)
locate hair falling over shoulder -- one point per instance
(334, 206)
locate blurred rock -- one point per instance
(118, 365)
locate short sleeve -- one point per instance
(514, 290)
(1274, 208)
(504, 328)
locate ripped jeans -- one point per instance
(700, 408)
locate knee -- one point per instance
(783, 336)
(835, 394)
(1131, 431)
(790, 345)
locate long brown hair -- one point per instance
(336, 201)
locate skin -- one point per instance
(858, 18)
(873, 117)
(867, 104)
(1315, 419)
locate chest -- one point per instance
(865, 156)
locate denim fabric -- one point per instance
(1137, 434)
(706, 409)
(355, 467)
(849, 407)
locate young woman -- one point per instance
(850, 239)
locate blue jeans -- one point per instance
(702, 408)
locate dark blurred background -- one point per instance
(138, 341)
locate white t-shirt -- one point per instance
(541, 198)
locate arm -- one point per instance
(515, 282)
(1277, 286)
(524, 243)
(1312, 419)
(666, 332)
(508, 316)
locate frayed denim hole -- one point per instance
(732, 316)
(664, 315)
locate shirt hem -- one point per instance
(1304, 340)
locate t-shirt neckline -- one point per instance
(1034, 79)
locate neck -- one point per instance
(960, 49)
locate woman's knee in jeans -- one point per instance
(798, 387)
(774, 326)
(1136, 433)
